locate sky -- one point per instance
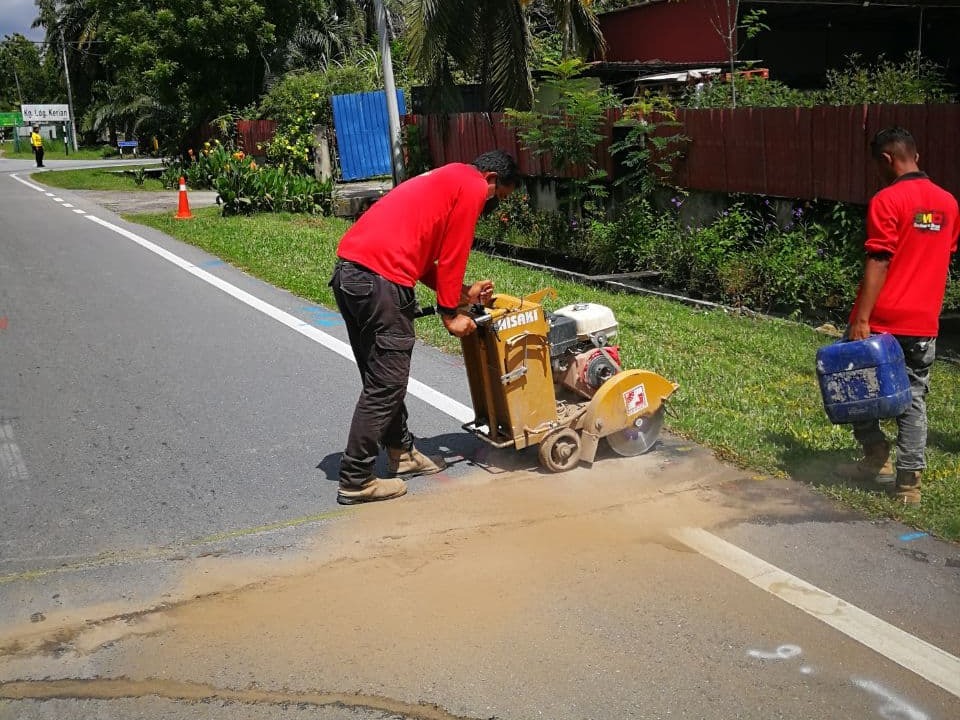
(16, 16)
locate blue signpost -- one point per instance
(132, 144)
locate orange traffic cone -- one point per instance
(183, 211)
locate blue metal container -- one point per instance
(863, 379)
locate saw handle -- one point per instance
(477, 312)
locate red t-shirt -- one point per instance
(917, 223)
(422, 230)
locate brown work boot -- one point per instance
(412, 462)
(907, 489)
(875, 467)
(373, 490)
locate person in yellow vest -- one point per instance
(37, 142)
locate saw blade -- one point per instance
(639, 437)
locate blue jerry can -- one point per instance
(863, 379)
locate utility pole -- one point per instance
(393, 110)
(66, 71)
(16, 79)
(16, 130)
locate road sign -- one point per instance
(10, 119)
(45, 113)
(131, 144)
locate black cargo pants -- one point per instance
(379, 318)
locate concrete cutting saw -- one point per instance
(556, 380)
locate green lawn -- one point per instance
(103, 178)
(52, 151)
(747, 386)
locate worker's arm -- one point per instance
(457, 240)
(459, 324)
(883, 237)
(479, 292)
(874, 276)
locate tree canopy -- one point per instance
(25, 73)
(165, 67)
(492, 41)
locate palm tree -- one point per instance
(80, 23)
(327, 32)
(491, 40)
(128, 113)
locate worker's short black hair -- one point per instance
(894, 140)
(500, 162)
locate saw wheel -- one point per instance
(639, 437)
(560, 450)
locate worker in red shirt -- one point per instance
(912, 229)
(421, 231)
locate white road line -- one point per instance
(27, 183)
(926, 660)
(67, 205)
(442, 402)
(59, 200)
(11, 461)
(48, 194)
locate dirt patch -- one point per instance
(137, 202)
(480, 582)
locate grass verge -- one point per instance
(103, 178)
(748, 386)
(51, 152)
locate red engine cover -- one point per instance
(589, 369)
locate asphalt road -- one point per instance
(152, 410)
(170, 545)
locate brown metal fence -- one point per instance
(255, 133)
(461, 137)
(807, 153)
(250, 135)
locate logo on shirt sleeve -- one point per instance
(930, 220)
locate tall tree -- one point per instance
(490, 40)
(729, 24)
(73, 26)
(169, 65)
(24, 74)
(329, 32)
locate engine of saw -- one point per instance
(581, 355)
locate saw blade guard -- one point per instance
(624, 403)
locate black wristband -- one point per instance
(449, 312)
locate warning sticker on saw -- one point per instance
(635, 399)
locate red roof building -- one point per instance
(803, 41)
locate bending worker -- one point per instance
(422, 230)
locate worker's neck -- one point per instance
(905, 167)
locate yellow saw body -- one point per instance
(527, 391)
